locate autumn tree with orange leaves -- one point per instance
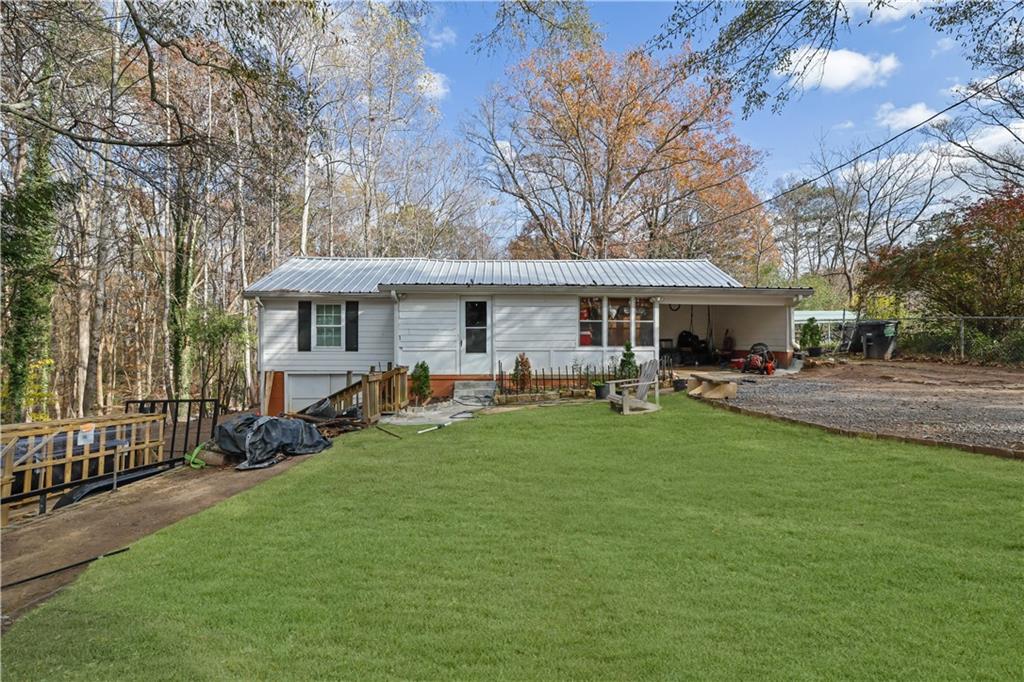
(614, 155)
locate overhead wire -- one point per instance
(877, 147)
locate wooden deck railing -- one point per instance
(375, 393)
(41, 459)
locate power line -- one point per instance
(874, 149)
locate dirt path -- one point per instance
(957, 403)
(107, 522)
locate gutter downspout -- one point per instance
(396, 350)
(259, 355)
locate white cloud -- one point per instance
(992, 139)
(436, 38)
(433, 84)
(845, 125)
(894, 117)
(943, 45)
(957, 89)
(890, 11)
(840, 69)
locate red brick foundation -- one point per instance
(443, 385)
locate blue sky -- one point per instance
(882, 77)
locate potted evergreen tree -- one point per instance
(627, 363)
(810, 337)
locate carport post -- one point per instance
(961, 338)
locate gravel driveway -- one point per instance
(973, 405)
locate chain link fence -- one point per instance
(988, 339)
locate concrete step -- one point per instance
(475, 391)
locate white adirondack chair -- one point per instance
(620, 390)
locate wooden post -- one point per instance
(962, 344)
(7, 482)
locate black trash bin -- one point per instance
(875, 339)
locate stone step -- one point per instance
(477, 390)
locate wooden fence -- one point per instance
(43, 459)
(376, 393)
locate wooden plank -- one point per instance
(7, 481)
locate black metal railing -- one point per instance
(562, 378)
(182, 436)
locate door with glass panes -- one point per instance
(475, 335)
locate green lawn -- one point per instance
(569, 542)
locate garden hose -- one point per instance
(193, 457)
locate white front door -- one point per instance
(474, 335)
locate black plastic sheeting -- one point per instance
(325, 410)
(259, 440)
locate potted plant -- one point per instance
(810, 337)
(600, 390)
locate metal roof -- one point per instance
(800, 316)
(318, 275)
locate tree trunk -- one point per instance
(307, 191)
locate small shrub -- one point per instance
(627, 363)
(419, 380)
(522, 372)
(810, 334)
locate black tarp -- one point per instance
(260, 439)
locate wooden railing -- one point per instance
(376, 393)
(394, 389)
(41, 459)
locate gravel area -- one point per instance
(973, 405)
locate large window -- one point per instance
(328, 326)
(619, 318)
(644, 322)
(592, 321)
(627, 320)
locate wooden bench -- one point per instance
(712, 385)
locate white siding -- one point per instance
(750, 324)
(428, 329)
(544, 327)
(302, 390)
(279, 344)
(523, 323)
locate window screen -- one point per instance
(618, 321)
(328, 325)
(591, 321)
(644, 322)
(476, 326)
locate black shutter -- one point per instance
(305, 324)
(352, 325)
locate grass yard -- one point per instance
(569, 542)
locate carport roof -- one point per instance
(319, 275)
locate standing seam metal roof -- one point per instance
(318, 275)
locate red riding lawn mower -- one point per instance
(760, 359)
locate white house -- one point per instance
(321, 318)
